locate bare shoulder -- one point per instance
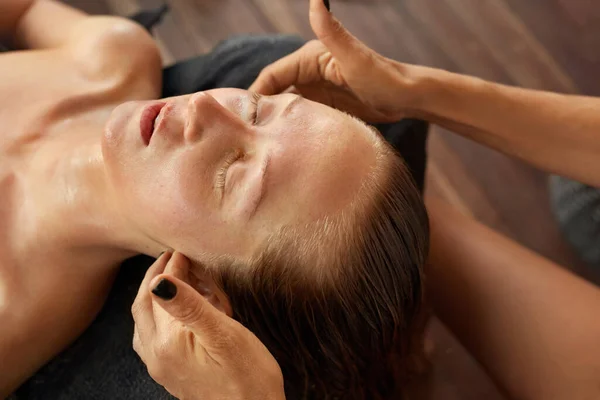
(108, 47)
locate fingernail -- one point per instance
(165, 289)
(327, 5)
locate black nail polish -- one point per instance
(327, 5)
(165, 289)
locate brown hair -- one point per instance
(336, 302)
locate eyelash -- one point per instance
(237, 154)
(254, 101)
(229, 161)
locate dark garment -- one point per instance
(576, 207)
(101, 364)
(150, 18)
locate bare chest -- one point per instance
(40, 95)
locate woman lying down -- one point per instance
(302, 222)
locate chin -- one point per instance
(115, 134)
(118, 125)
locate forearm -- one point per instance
(556, 133)
(532, 324)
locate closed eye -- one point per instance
(234, 156)
(254, 110)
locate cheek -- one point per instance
(180, 198)
(189, 213)
(174, 196)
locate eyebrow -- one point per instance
(267, 162)
(263, 185)
(291, 105)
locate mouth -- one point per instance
(148, 121)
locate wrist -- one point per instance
(406, 95)
(424, 85)
(437, 94)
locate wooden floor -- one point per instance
(541, 44)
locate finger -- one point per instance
(278, 76)
(330, 31)
(189, 307)
(136, 342)
(292, 90)
(178, 266)
(156, 268)
(292, 69)
(141, 309)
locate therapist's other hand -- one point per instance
(340, 71)
(194, 350)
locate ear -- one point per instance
(202, 281)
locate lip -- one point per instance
(147, 120)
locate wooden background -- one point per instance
(540, 44)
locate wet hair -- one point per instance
(337, 302)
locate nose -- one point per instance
(206, 114)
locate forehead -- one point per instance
(325, 158)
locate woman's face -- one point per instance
(217, 172)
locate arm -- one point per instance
(533, 325)
(11, 12)
(38, 24)
(556, 133)
(48, 24)
(93, 45)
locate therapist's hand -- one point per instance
(194, 350)
(342, 72)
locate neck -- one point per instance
(74, 201)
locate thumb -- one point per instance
(189, 307)
(330, 31)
